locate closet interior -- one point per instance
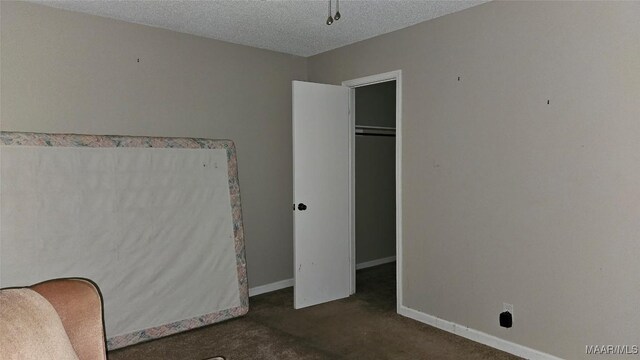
(375, 156)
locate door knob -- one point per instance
(302, 207)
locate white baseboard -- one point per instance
(262, 289)
(475, 335)
(376, 262)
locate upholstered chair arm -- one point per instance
(79, 305)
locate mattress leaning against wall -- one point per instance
(155, 222)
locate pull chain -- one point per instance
(329, 19)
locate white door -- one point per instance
(321, 222)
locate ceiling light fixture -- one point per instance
(335, 17)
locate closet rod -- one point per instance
(368, 127)
(374, 134)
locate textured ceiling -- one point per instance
(290, 26)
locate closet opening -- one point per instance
(376, 185)
(375, 195)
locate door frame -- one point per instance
(353, 84)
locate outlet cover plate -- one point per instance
(507, 307)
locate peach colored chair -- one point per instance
(78, 304)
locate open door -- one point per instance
(321, 221)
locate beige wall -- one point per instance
(375, 198)
(67, 72)
(506, 198)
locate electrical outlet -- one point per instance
(507, 307)
(506, 316)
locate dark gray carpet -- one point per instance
(363, 326)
